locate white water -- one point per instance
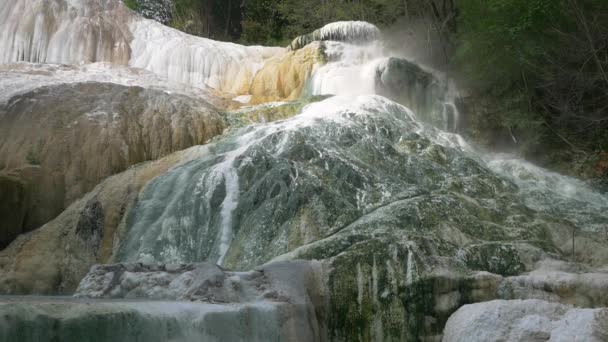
(230, 178)
(553, 193)
(355, 69)
(351, 69)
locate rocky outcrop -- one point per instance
(343, 31)
(298, 282)
(280, 301)
(404, 221)
(61, 319)
(557, 301)
(88, 31)
(59, 140)
(398, 223)
(408, 221)
(529, 320)
(54, 258)
(559, 282)
(426, 94)
(284, 77)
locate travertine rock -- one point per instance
(283, 77)
(60, 140)
(54, 258)
(527, 320)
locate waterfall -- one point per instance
(359, 69)
(451, 117)
(351, 69)
(358, 197)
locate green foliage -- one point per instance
(132, 4)
(263, 23)
(187, 17)
(543, 63)
(277, 22)
(501, 39)
(215, 19)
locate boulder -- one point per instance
(61, 136)
(526, 320)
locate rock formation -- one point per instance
(340, 215)
(60, 137)
(529, 320)
(343, 31)
(284, 77)
(52, 32)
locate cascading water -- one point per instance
(158, 229)
(351, 69)
(553, 193)
(365, 68)
(372, 178)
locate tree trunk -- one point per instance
(228, 17)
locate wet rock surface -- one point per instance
(55, 319)
(346, 218)
(410, 224)
(426, 94)
(178, 302)
(297, 282)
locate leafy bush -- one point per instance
(544, 63)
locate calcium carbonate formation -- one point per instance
(353, 213)
(342, 31)
(77, 32)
